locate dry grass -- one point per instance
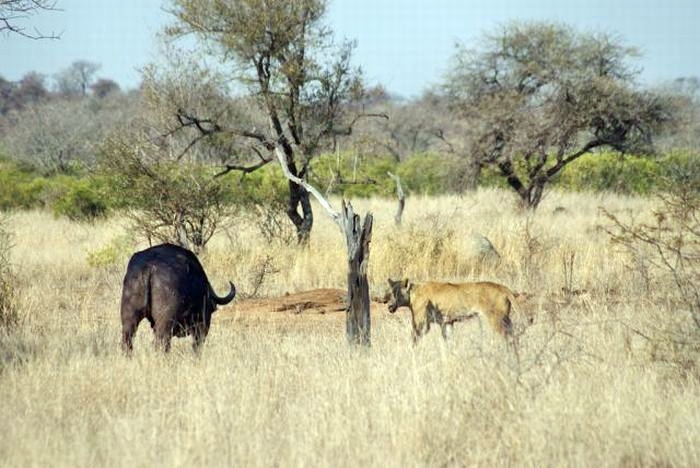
(608, 372)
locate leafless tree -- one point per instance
(76, 79)
(13, 13)
(60, 135)
(684, 95)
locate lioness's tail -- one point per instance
(513, 338)
(507, 324)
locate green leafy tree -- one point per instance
(537, 96)
(297, 83)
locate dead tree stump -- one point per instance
(358, 236)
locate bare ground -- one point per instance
(316, 304)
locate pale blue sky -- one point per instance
(403, 44)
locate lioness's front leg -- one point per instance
(420, 328)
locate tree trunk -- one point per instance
(358, 237)
(530, 195)
(536, 193)
(470, 176)
(299, 197)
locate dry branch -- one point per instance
(401, 196)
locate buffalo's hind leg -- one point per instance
(133, 309)
(129, 326)
(164, 333)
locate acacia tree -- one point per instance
(537, 96)
(294, 74)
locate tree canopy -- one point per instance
(538, 96)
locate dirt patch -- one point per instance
(316, 302)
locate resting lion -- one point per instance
(446, 303)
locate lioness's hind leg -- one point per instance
(507, 325)
(500, 323)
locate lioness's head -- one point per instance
(398, 294)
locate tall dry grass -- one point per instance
(607, 374)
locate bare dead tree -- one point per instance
(358, 234)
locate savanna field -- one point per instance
(607, 372)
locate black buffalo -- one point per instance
(167, 285)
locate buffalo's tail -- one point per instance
(225, 299)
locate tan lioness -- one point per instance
(446, 303)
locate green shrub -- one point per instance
(352, 175)
(611, 172)
(75, 196)
(264, 194)
(20, 187)
(680, 168)
(490, 177)
(348, 174)
(426, 173)
(112, 254)
(79, 199)
(266, 185)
